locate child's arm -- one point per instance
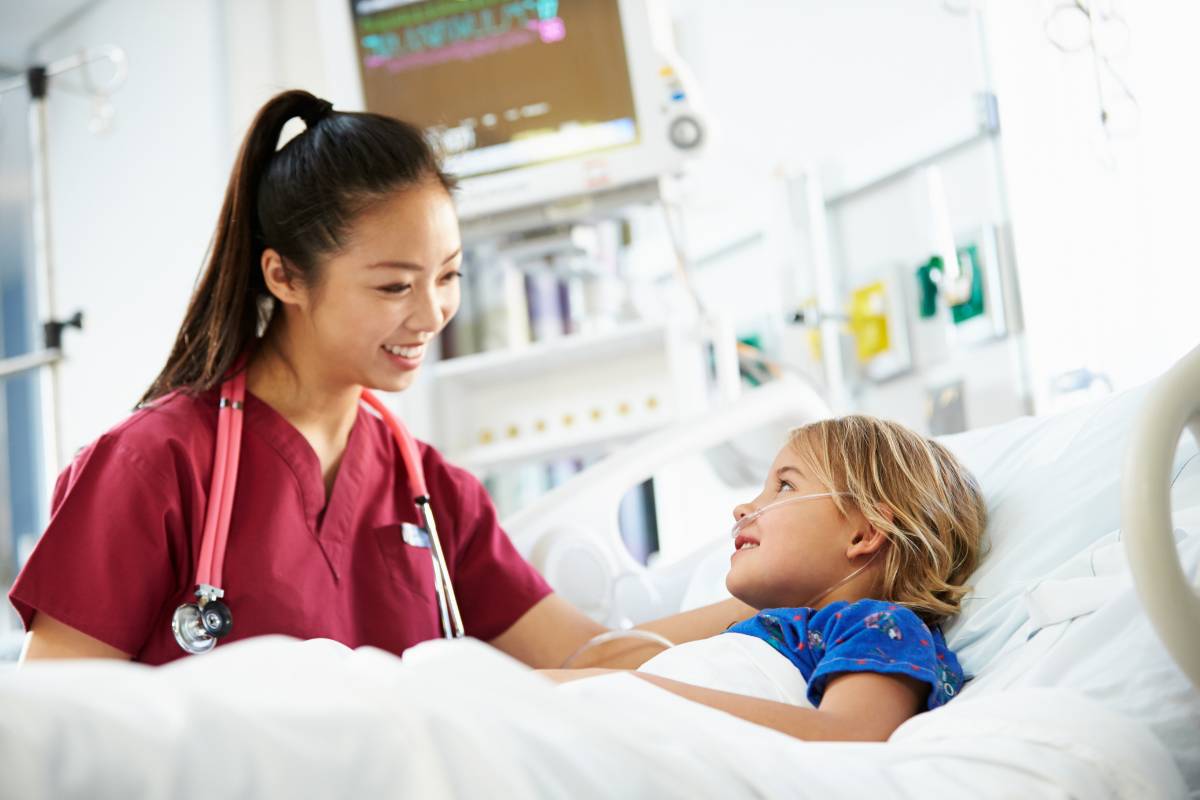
(687, 626)
(550, 631)
(856, 706)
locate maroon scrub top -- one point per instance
(120, 552)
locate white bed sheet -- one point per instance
(1083, 628)
(274, 717)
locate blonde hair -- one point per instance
(938, 515)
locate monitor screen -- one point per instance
(504, 84)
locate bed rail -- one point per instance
(1170, 601)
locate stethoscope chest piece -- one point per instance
(197, 626)
(188, 626)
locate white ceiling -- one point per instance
(23, 21)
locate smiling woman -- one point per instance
(334, 264)
(373, 306)
(293, 299)
(410, 277)
(301, 229)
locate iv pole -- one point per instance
(37, 81)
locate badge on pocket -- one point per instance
(413, 535)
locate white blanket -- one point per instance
(733, 663)
(273, 717)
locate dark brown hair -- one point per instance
(300, 200)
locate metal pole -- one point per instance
(826, 289)
(18, 364)
(48, 387)
(1009, 279)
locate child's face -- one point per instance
(797, 550)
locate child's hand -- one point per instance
(567, 675)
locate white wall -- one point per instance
(855, 91)
(1109, 268)
(132, 211)
(794, 80)
(271, 45)
(1106, 264)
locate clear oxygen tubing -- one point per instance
(750, 518)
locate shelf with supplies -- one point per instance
(535, 358)
(555, 360)
(568, 397)
(582, 444)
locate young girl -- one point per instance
(333, 266)
(858, 546)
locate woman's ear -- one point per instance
(279, 280)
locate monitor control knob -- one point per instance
(686, 132)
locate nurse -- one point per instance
(334, 264)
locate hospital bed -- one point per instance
(1081, 673)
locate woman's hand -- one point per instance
(568, 675)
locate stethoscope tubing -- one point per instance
(452, 625)
(211, 568)
(187, 621)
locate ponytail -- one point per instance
(301, 201)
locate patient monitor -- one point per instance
(533, 101)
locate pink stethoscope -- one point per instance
(197, 626)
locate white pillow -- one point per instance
(707, 582)
(1053, 488)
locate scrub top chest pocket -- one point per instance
(406, 557)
